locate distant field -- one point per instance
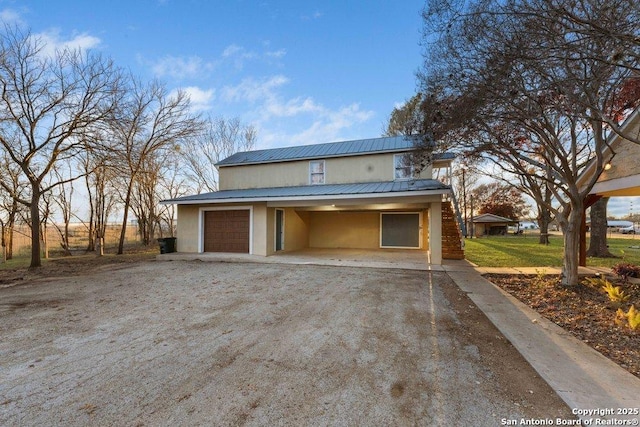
(525, 251)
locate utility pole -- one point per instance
(472, 228)
(464, 201)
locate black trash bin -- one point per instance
(163, 245)
(171, 244)
(167, 245)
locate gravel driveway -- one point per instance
(208, 343)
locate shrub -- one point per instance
(631, 318)
(616, 294)
(596, 282)
(625, 270)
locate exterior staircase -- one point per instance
(451, 236)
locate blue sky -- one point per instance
(302, 72)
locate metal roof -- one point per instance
(332, 149)
(491, 218)
(311, 191)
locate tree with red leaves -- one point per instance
(500, 199)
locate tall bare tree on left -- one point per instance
(47, 102)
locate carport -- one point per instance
(267, 221)
(491, 225)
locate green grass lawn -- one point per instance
(525, 251)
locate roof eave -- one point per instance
(411, 193)
(330, 156)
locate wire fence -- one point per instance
(78, 238)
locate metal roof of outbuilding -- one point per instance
(310, 191)
(331, 149)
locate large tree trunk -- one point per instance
(36, 260)
(544, 218)
(598, 244)
(544, 213)
(4, 243)
(9, 229)
(91, 245)
(123, 231)
(572, 247)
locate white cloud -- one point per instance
(181, 67)
(238, 55)
(315, 15)
(233, 50)
(621, 207)
(292, 107)
(331, 123)
(280, 53)
(270, 109)
(252, 90)
(10, 16)
(185, 67)
(52, 41)
(200, 99)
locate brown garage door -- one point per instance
(226, 231)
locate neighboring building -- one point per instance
(491, 225)
(613, 224)
(354, 194)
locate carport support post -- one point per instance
(435, 232)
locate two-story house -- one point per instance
(361, 194)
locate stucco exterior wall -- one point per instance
(355, 230)
(340, 170)
(296, 230)
(425, 229)
(435, 232)
(261, 227)
(187, 228)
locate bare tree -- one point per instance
(221, 138)
(98, 168)
(144, 201)
(12, 188)
(62, 197)
(46, 212)
(538, 85)
(172, 185)
(148, 122)
(45, 103)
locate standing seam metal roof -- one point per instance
(317, 190)
(331, 149)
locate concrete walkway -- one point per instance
(582, 377)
